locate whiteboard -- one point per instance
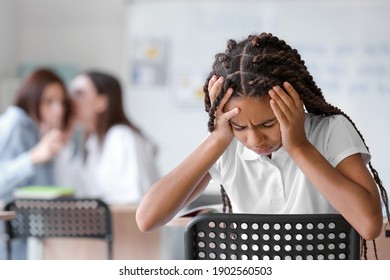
(346, 46)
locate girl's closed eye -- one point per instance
(269, 124)
(238, 128)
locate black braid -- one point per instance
(376, 253)
(226, 204)
(254, 65)
(363, 250)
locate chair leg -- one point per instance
(110, 250)
(8, 249)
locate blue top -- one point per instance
(18, 134)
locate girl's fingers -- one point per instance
(220, 112)
(289, 102)
(293, 94)
(230, 114)
(279, 100)
(226, 98)
(212, 82)
(222, 117)
(280, 116)
(214, 87)
(282, 98)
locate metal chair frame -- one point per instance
(275, 237)
(68, 217)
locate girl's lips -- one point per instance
(266, 151)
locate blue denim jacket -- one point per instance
(18, 134)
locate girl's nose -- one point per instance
(255, 138)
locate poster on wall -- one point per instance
(188, 87)
(148, 65)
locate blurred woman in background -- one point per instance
(32, 131)
(116, 162)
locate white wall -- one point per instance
(72, 34)
(85, 33)
(7, 38)
(8, 35)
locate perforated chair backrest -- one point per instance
(275, 237)
(41, 218)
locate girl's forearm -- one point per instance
(349, 188)
(172, 192)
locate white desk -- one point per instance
(382, 245)
(129, 243)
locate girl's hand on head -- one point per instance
(288, 109)
(214, 87)
(222, 125)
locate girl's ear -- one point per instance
(101, 103)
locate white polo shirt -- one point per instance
(258, 184)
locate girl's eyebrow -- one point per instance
(264, 122)
(269, 121)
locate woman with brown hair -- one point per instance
(32, 131)
(116, 162)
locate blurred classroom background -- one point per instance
(163, 49)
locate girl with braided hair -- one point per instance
(275, 145)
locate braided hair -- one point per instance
(256, 64)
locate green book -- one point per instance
(46, 192)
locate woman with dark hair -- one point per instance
(32, 131)
(116, 163)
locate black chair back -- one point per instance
(275, 237)
(42, 218)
